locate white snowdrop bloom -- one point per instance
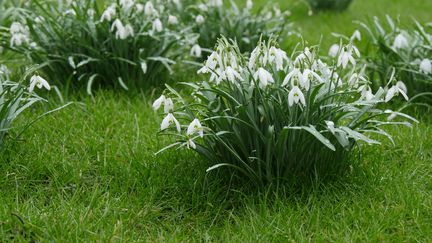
(306, 78)
(249, 4)
(167, 102)
(195, 127)
(398, 88)
(199, 19)
(215, 3)
(18, 39)
(296, 96)
(217, 76)
(157, 25)
(305, 55)
(232, 75)
(356, 36)
(277, 56)
(334, 50)
(211, 63)
(168, 121)
(426, 66)
(144, 67)
(366, 92)
(253, 57)
(127, 5)
(195, 51)
(295, 74)
(190, 144)
(109, 13)
(16, 27)
(203, 7)
(122, 31)
(39, 82)
(263, 77)
(172, 20)
(345, 57)
(139, 8)
(400, 42)
(149, 9)
(330, 126)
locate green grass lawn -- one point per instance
(89, 173)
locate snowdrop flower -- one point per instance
(400, 42)
(190, 144)
(296, 96)
(167, 102)
(277, 56)
(126, 5)
(215, 3)
(356, 36)
(123, 31)
(217, 76)
(139, 7)
(109, 13)
(253, 57)
(144, 67)
(249, 4)
(168, 121)
(195, 128)
(157, 25)
(172, 20)
(199, 19)
(395, 90)
(70, 12)
(19, 34)
(149, 9)
(263, 77)
(211, 63)
(334, 50)
(306, 54)
(330, 126)
(426, 66)
(294, 74)
(345, 57)
(195, 51)
(366, 92)
(39, 82)
(306, 77)
(232, 75)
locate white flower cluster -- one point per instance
(19, 34)
(193, 130)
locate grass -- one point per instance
(89, 173)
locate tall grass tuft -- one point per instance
(270, 117)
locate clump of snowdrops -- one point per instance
(269, 117)
(407, 51)
(16, 97)
(213, 18)
(118, 43)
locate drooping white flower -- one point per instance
(199, 19)
(345, 57)
(195, 127)
(356, 36)
(139, 8)
(215, 3)
(144, 67)
(263, 77)
(39, 82)
(172, 20)
(426, 66)
(296, 96)
(366, 92)
(306, 78)
(232, 75)
(398, 88)
(19, 34)
(149, 9)
(254, 57)
(167, 102)
(195, 51)
(305, 55)
(157, 25)
(277, 56)
(168, 121)
(190, 144)
(109, 13)
(122, 31)
(400, 42)
(294, 74)
(70, 12)
(334, 50)
(126, 5)
(249, 4)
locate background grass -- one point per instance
(89, 173)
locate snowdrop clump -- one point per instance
(407, 51)
(211, 19)
(273, 116)
(126, 42)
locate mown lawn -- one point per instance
(89, 173)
